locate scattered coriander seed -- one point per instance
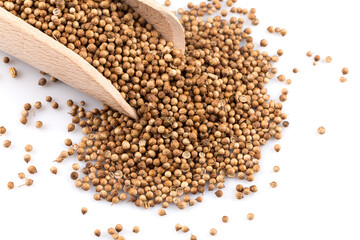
(84, 210)
(121, 238)
(74, 175)
(295, 70)
(288, 81)
(263, 43)
(283, 32)
(10, 185)
(219, 193)
(250, 216)
(309, 54)
(280, 52)
(317, 58)
(27, 158)
(281, 78)
(28, 148)
(328, 59)
(54, 170)
(23, 120)
(55, 105)
(193, 237)
(225, 219)
(76, 166)
(53, 79)
(199, 199)
(213, 232)
(118, 228)
(48, 99)
(43, 73)
(13, 72)
(273, 184)
(136, 229)
(24, 113)
(7, 143)
(37, 105)
(2, 130)
(162, 212)
(38, 124)
(276, 169)
(27, 106)
(343, 79)
(224, 12)
(71, 127)
(167, 3)
(178, 227)
(184, 229)
(42, 82)
(6, 60)
(345, 70)
(82, 103)
(97, 233)
(285, 124)
(28, 183)
(181, 205)
(21, 175)
(271, 29)
(277, 147)
(321, 130)
(239, 188)
(70, 103)
(32, 169)
(68, 142)
(253, 188)
(277, 29)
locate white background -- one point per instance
(318, 193)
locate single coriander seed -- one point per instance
(276, 169)
(53, 170)
(69, 102)
(6, 60)
(48, 98)
(27, 106)
(167, 3)
(193, 237)
(2, 130)
(277, 147)
(13, 72)
(38, 105)
(55, 105)
(283, 32)
(42, 82)
(225, 219)
(32, 169)
(263, 43)
(219, 193)
(97, 233)
(84, 210)
(28, 148)
(162, 212)
(7, 143)
(317, 58)
(328, 59)
(27, 158)
(28, 183)
(273, 184)
(250, 216)
(185, 229)
(10, 185)
(309, 54)
(321, 130)
(213, 232)
(178, 227)
(71, 127)
(21, 175)
(295, 70)
(271, 29)
(24, 113)
(118, 228)
(23, 120)
(280, 52)
(345, 70)
(136, 229)
(38, 124)
(343, 79)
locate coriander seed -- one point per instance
(271, 29)
(328, 59)
(118, 228)
(219, 193)
(37, 105)
(28, 148)
(213, 232)
(10, 185)
(136, 229)
(7, 143)
(55, 105)
(23, 120)
(27, 158)
(193, 237)
(295, 70)
(48, 98)
(277, 147)
(68, 142)
(225, 219)
(345, 70)
(185, 229)
(27, 106)
(53, 79)
(71, 127)
(167, 3)
(84, 210)
(162, 212)
(309, 54)
(6, 60)
(2, 130)
(263, 43)
(283, 32)
(28, 183)
(13, 72)
(280, 52)
(273, 184)
(97, 233)
(53, 170)
(250, 216)
(42, 82)
(317, 58)
(178, 227)
(70, 103)
(321, 130)
(38, 124)
(21, 175)
(24, 113)
(32, 169)
(343, 79)
(276, 169)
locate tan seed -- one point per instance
(321, 130)
(250, 216)
(13, 72)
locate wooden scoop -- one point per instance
(34, 47)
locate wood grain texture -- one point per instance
(166, 23)
(32, 46)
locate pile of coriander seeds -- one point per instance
(203, 114)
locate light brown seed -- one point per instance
(343, 79)
(280, 52)
(118, 227)
(84, 210)
(276, 169)
(273, 184)
(10, 185)
(213, 232)
(328, 59)
(309, 54)
(27, 158)
(185, 229)
(21, 175)
(219, 193)
(167, 3)
(13, 72)
(250, 216)
(345, 70)
(321, 130)
(97, 233)
(193, 237)
(225, 219)
(7, 143)
(28, 183)
(38, 124)
(6, 60)
(283, 32)
(55, 105)
(71, 127)
(162, 212)
(42, 82)
(178, 227)
(263, 43)
(271, 29)
(136, 229)
(28, 148)
(277, 147)
(2, 130)
(317, 58)
(54, 170)
(295, 70)
(32, 169)
(48, 98)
